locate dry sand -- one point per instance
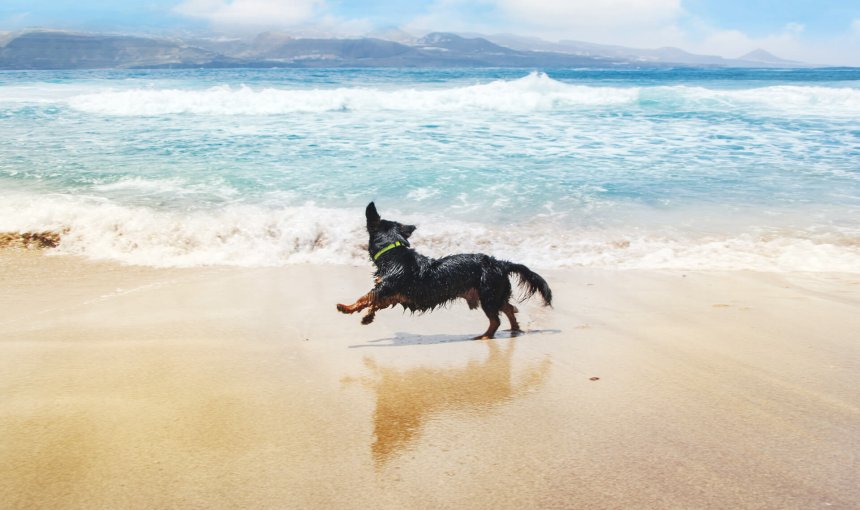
(244, 388)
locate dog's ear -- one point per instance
(406, 230)
(371, 214)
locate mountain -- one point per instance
(339, 50)
(458, 44)
(445, 48)
(762, 56)
(53, 49)
(66, 50)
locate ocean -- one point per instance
(699, 169)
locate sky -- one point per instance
(819, 32)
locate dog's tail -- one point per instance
(531, 282)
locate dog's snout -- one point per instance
(407, 230)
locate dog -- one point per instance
(418, 283)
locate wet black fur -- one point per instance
(427, 283)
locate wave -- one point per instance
(532, 93)
(245, 235)
(535, 92)
(792, 99)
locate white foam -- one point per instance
(137, 184)
(235, 235)
(243, 235)
(794, 99)
(532, 93)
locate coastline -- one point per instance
(243, 387)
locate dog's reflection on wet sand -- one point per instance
(407, 398)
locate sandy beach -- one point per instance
(127, 387)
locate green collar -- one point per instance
(391, 246)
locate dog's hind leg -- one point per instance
(494, 325)
(494, 292)
(509, 310)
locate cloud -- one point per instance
(631, 22)
(786, 43)
(855, 26)
(560, 14)
(456, 16)
(789, 43)
(251, 13)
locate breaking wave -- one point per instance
(245, 235)
(532, 93)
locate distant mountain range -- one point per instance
(53, 49)
(644, 57)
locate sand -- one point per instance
(216, 388)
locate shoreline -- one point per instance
(243, 387)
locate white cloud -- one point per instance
(571, 14)
(344, 27)
(260, 13)
(648, 23)
(790, 43)
(855, 26)
(629, 22)
(787, 43)
(454, 16)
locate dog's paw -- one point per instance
(482, 337)
(343, 308)
(367, 319)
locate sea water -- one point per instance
(674, 168)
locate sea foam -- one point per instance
(253, 235)
(532, 93)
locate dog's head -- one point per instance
(384, 232)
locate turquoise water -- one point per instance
(699, 169)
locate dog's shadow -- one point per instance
(401, 339)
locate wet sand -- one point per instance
(243, 388)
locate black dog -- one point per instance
(403, 277)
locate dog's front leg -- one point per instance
(366, 301)
(378, 298)
(378, 303)
(359, 305)
(369, 316)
